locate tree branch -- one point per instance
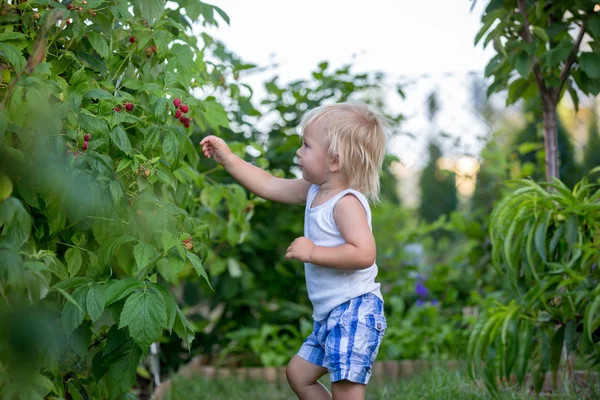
(564, 73)
(526, 34)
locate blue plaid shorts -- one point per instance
(347, 341)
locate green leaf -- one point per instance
(92, 123)
(74, 260)
(540, 33)
(72, 316)
(184, 329)
(120, 139)
(98, 43)
(524, 64)
(109, 247)
(171, 147)
(95, 301)
(556, 349)
(6, 187)
(160, 108)
(144, 253)
(121, 375)
(176, 263)
(216, 114)
(543, 316)
(151, 9)
(68, 297)
(170, 304)
(593, 26)
(590, 64)
(15, 221)
(13, 55)
(540, 236)
(197, 264)
(591, 320)
(119, 289)
(124, 163)
(145, 313)
(116, 191)
(12, 36)
(98, 94)
(222, 14)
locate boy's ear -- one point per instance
(334, 163)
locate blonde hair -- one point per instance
(357, 136)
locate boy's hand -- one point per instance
(300, 249)
(216, 148)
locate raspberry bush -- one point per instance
(103, 200)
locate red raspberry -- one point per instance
(87, 137)
(188, 240)
(131, 39)
(184, 108)
(118, 108)
(177, 114)
(177, 103)
(129, 106)
(69, 6)
(85, 146)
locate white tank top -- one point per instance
(328, 287)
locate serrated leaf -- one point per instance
(72, 316)
(15, 221)
(98, 43)
(171, 147)
(170, 304)
(95, 301)
(183, 328)
(92, 123)
(145, 314)
(13, 55)
(197, 264)
(151, 9)
(124, 163)
(68, 297)
(160, 108)
(144, 254)
(120, 139)
(121, 375)
(176, 263)
(98, 94)
(119, 289)
(116, 191)
(74, 260)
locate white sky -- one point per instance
(402, 38)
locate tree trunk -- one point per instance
(550, 135)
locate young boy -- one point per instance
(340, 158)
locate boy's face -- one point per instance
(312, 156)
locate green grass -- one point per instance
(437, 384)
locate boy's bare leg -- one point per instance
(346, 390)
(302, 376)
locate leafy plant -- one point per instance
(536, 55)
(102, 202)
(545, 244)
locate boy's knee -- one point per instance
(291, 372)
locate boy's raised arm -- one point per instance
(253, 178)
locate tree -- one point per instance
(538, 56)
(530, 154)
(438, 188)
